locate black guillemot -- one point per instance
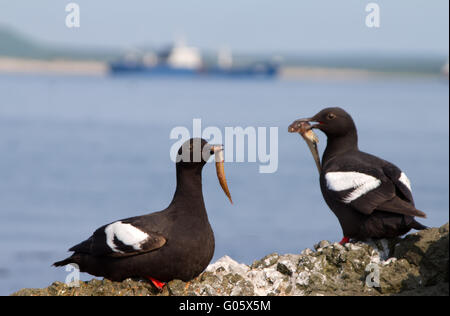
(175, 243)
(371, 197)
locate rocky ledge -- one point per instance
(415, 265)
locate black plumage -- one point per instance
(175, 243)
(371, 197)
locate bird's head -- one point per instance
(334, 122)
(195, 153)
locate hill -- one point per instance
(17, 45)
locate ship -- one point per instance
(182, 60)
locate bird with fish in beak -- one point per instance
(371, 197)
(175, 243)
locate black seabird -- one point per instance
(371, 197)
(175, 243)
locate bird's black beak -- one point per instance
(220, 169)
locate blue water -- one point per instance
(79, 152)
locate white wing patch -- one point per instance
(404, 179)
(126, 233)
(360, 183)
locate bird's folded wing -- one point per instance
(367, 190)
(400, 181)
(397, 205)
(121, 239)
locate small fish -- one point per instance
(311, 139)
(220, 170)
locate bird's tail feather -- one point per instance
(64, 262)
(416, 225)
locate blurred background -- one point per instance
(85, 115)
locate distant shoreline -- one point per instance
(11, 65)
(57, 66)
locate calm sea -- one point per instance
(79, 152)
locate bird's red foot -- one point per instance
(158, 284)
(344, 240)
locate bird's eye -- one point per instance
(331, 116)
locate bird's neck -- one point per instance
(337, 145)
(188, 195)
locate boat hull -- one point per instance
(260, 70)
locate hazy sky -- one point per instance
(292, 26)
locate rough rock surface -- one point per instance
(415, 265)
